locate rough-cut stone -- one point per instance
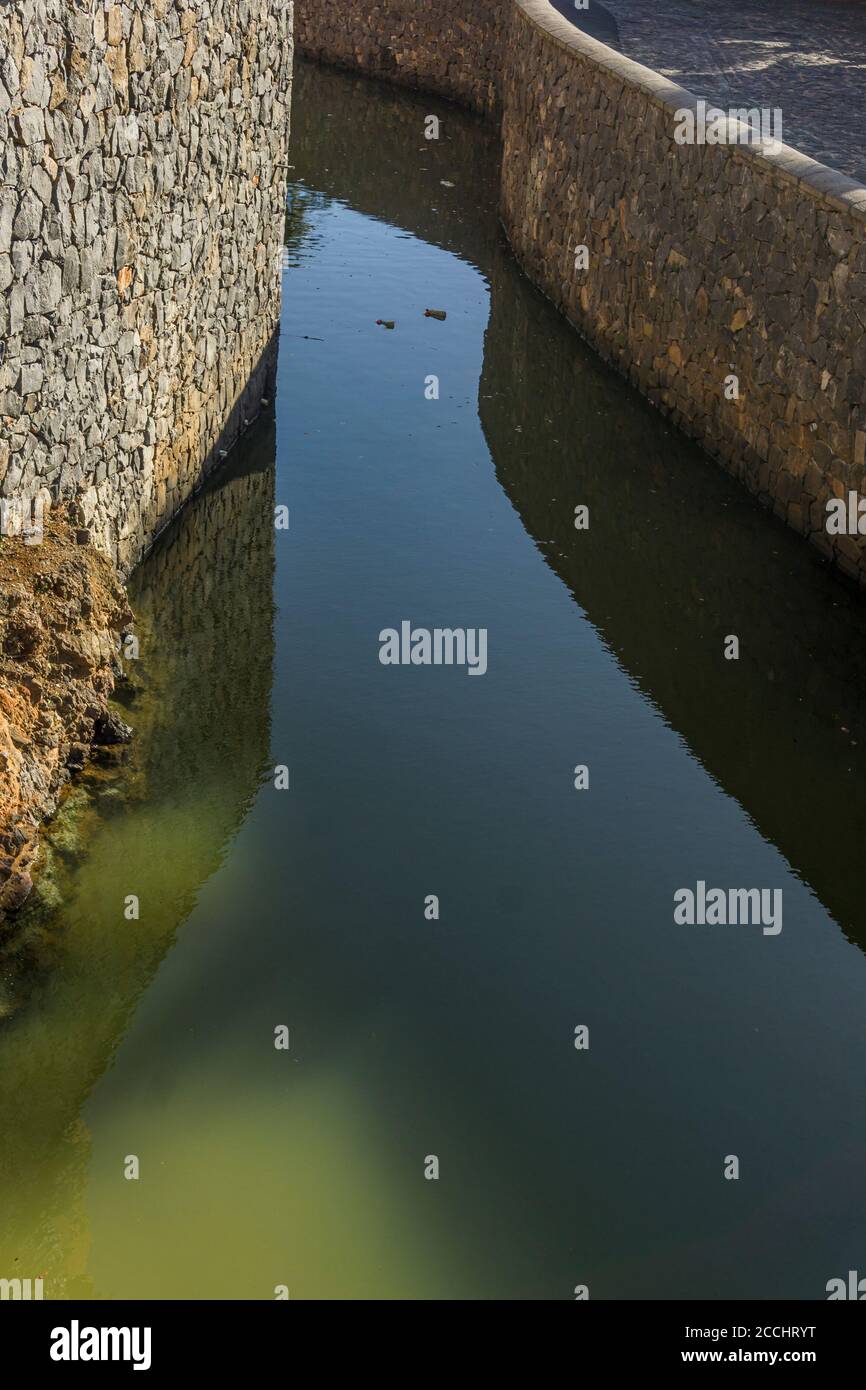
(454, 49)
(141, 232)
(141, 228)
(705, 262)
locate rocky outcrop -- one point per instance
(62, 611)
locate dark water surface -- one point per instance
(305, 908)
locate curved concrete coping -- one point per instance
(816, 179)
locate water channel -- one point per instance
(305, 908)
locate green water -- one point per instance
(305, 908)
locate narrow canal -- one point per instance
(454, 1037)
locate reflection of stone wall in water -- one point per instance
(667, 569)
(399, 178)
(205, 600)
(706, 261)
(665, 564)
(205, 595)
(142, 179)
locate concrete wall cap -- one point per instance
(790, 164)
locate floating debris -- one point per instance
(446, 183)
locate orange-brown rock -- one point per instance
(62, 610)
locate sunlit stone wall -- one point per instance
(727, 282)
(143, 154)
(451, 47)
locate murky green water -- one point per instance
(305, 907)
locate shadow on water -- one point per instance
(676, 556)
(202, 717)
(349, 114)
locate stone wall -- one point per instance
(450, 47)
(705, 262)
(143, 153)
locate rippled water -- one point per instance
(305, 908)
